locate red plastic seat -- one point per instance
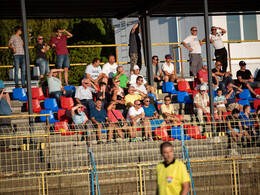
(37, 93)
(184, 86)
(257, 91)
(63, 127)
(162, 134)
(64, 114)
(225, 114)
(256, 103)
(194, 131)
(67, 102)
(36, 106)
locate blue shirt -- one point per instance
(247, 121)
(100, 116)
(149, 111)
(232, 98)
(78, 119)
(1, 85)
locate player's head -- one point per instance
(167, 152)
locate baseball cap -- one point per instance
(242, 63)
(168, 56)
(136, 67)
(204, 63)
(203, 88)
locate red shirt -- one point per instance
(61, 45)
(112, 117)
(203, 75)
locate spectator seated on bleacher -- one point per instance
(109, 69)
(202, 78)
(80, 120)
(93, 71)
(137, 118)
(230, 95)
(118, 96)
(84, 93)
(152, 115)
(117, 118)
(103, 95)
(247, 120)
(234, 126)
(121, 76)
(56, 90)
(219, 102)
(168, 70)
(201, 104)
(157, 70)
(167, 112)
(246, 79)
(100, 119)
(131, 97)
(223, 77)
(133, 77)
(5, 110)
(139, 86)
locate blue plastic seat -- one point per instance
(176, 133)
(245, 102)
(152, 95)
(51, 104)
(183, 97)
(168, 87)
(246, 95)
(51, 117)
(72, 88)
(19, 94)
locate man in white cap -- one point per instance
(168, 70)
(134, 76)
(201, 102)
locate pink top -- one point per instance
(203, 75)
(61, 45)
(112, 117)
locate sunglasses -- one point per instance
(118, 81)
(147, 101)
(194, 30)
(40, 39)
(156, 59)
(138, 104)
(213, 29)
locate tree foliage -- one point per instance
(85, 32)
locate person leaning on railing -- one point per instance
(234, 127)
(119, 121)
(80, 119)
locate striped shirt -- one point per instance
(17, 43)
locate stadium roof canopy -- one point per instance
(122, 8)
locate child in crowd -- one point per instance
(219, 102)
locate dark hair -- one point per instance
(167, 96)
(138, 78)
(95, 60)
(57, 29)
(155, 57)
(219, 89)
(192, 28)
(76, 111)
(235, 111)
(165, 145)
(98, 100)
(101, 84)
(17, 28)
(245, 107)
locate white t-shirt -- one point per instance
(133, 78)
(194, 44)
(109, 70)
(169, 69)
(141, 88)
(133, 112)
(218, 44)
(93, 71)
(82, 93)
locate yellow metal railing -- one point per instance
(175, 46)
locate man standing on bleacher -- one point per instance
(56, 89)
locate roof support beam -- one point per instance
(210, 83)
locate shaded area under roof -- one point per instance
(121, 8)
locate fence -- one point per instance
(174, 47)
(55, 159)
